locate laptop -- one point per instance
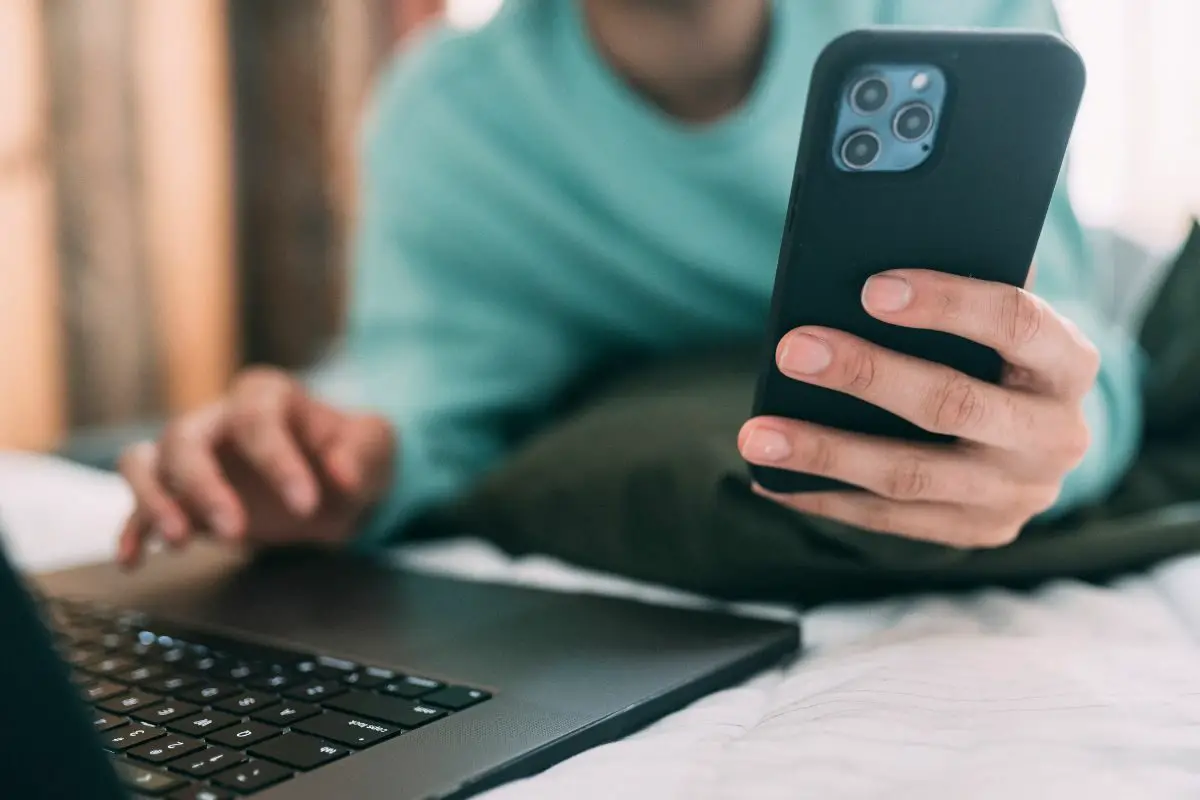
(305, 676)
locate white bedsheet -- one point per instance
(1072, 691)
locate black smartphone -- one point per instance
(921, 149)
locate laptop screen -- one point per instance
(47, 747)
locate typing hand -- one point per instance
(1017, 441)
(268, 464)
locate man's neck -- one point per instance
(696, 59)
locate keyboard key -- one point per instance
(107, 665)
(369, 677)
(145, 780)
(298, 751)
(411, 687)
(117, 640)
(400, 712)
(79, 656)
(361, 680)
(244, 734)
(122, 704)
(252, 777)
(102, 690)
(203, 665)
(305, 667)
(171, 683)
(339, 664)
(104, 721)
(381, 673)
(318, 691)
(141, 674)
(456, 698)
(203, 724)
(290, 712)
(271, 681)
(238, 673)
(166, 748)
(246, 703)
(163, 713)
(208, 693)
(201, 793)
(203, 763)
(175, 656)
(130, 736)
(344, 729)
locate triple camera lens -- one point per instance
(861, 149)
(910, 123)
(913, 122)
(869, 95)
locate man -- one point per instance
(588, 179)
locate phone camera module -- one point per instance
(869, 95)
(861, 150)
(913, 122)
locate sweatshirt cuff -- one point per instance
(1113, 410)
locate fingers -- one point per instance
(156, 513)
(190, 471)
(139, 465)
(1023, 328)
(361, 458)
(896, 470)
(354, 450)
(260, 427)
(930, 522)
(931, 396)
(132, 540)
(321, 430)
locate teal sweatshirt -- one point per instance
(525, 216)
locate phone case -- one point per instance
(975, 208)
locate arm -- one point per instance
(442, 341)
(1066, 280)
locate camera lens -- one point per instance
(913, 122)
(869, 95)
(861, 150)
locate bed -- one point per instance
(1072, 690)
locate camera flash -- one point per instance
(920, 81)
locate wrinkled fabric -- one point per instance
(644, 479)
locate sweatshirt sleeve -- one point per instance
(435, 343)
(1068, 280)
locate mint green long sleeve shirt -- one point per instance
(526, 215)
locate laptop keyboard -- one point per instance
(193, 716)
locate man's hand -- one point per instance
(1017, 441)
(266, 465)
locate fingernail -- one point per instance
(224, 524)
(346, 468)
(300, 498)
(887, 293)
(170, 530)
(172, 542)
(766, 445)
(804, 354)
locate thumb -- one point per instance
(363, 456)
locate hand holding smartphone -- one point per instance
(926, 168)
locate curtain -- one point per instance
(1136, 159)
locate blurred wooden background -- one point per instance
(176, 196)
